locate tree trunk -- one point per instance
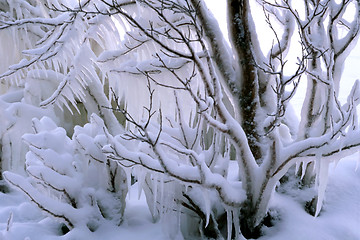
(242, 42)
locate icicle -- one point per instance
(161, 194)
(303, 170)
(128, 177)
(207, 205)
(229, 223)
(236, 224)
(38, 73)
(66, 104)
(178, 221)
(140, 175)
(297, 166)
(322, 179)
(155, 190)
(59, 105)
(336, 161)
(317, 169)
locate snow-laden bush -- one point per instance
(189, 186)
(71, 179)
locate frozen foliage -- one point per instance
(15, 121)
(160, 96)
(75, 184)
(54, 74)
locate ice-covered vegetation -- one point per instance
(99, 94)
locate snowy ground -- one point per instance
(339, 220)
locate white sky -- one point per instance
(218, 8)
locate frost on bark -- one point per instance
(205, 126)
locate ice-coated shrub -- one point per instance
(70, 179)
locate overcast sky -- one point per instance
(218, 8)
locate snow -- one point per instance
(339, 219)
(29, 223)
